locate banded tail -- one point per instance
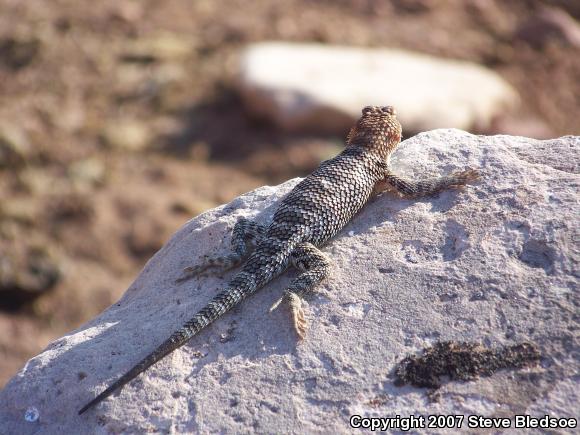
(222, 303)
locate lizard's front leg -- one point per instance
(430, 186)
(245, 236)
(315, 266)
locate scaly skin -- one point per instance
(313, 212)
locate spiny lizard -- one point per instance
(313, 212)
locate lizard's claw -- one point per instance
(183, 278)
(468, 175)
(188, 273)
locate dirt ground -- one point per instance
(118, 123)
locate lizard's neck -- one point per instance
(372, 142)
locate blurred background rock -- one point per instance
(121, 119)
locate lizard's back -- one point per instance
(325, 201)
(314, 211)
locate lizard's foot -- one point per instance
(190, 272)
(219, 265)
(193, 271)
(245, 237)
(461, 178)
(314, 266)
(296, 310)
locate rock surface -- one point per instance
(494, 264)
(321, 88)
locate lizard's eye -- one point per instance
(389, 110)
(366, 110)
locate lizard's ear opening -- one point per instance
(396, 134)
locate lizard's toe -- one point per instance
(298, 319)
(470, 175)
(296, 310)
(462, 178)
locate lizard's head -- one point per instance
(377, 129)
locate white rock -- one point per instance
(494, 263)
(321, 87)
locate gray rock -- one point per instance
(321, 87)
(496, 263)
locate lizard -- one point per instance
(314, 211)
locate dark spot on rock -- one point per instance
(456, 240)
(229, 335)
(462, 361)
(197, 354)
(416, 251)
(175, 394)
(478, 295)
(378, 401)
(81, 375)
(537, 254)
(273, 408)
(510, 333)
(386, 270)
(447, 297)
(335, 320)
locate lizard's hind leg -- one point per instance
(245, 236)
(315, 266)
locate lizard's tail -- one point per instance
(218, 306)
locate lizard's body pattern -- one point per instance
(313, 212)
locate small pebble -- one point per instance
(31, 414)
(351, 233)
